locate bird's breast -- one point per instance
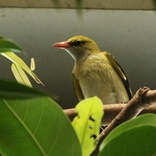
(97, 77)
(95, 67)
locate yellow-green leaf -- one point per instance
(20, 75)
(87, 123)
(15, 59)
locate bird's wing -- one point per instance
(77, 88)
(120, 72)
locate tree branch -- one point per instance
(112, 110)
(143, 98)
(115, 114)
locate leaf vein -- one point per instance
(26, 128)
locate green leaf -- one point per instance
(154, 3)
(9, 89)
(79, 4)
(132, 138)
(20, 75)
(6, 45)
(1, 37)
(15, 59)
(87, 123)
(36, 127)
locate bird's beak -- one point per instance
(63, 45)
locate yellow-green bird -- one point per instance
(96, 73)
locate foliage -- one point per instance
(7, 49)
(33, 124)
(7, 45)
(135, 137)
(20, 75)
(87, 123)
(154, 3)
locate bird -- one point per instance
(96, 73)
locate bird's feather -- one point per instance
(120, 72)
(76, 85)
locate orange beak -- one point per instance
(63, 45)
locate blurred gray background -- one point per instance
(130, 35)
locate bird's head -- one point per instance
(79, 47)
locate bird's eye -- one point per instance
(76, 43)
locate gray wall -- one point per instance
(129, 35)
